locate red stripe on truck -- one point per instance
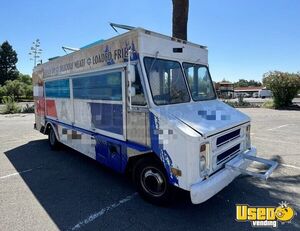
(51, 108)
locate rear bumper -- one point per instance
(205, 189)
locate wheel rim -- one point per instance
(52, 137)
(153, 181)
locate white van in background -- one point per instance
(264, 93)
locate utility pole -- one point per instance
(35, 52)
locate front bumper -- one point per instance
(205, 189)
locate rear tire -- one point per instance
(53, 142)
(151, 182)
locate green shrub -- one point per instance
(28, 91)
(239, 103)
(230, 103)
(283, 85)
(26, 79)
(28, 109)
(268, 104)
(3, 91)
(14, 89)
(10, 106)
(20, 88)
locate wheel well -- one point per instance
(47, 129)
(132, 161)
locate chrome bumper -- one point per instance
(205, 189)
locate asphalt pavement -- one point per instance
(41, 189)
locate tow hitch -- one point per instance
(251, 159)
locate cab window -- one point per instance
(139, 98)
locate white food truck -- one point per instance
(143, 102)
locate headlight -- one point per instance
(248, 139)
(202, 163)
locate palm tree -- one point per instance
(180, 18)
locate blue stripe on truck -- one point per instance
(129, 144)
(159, 148)
(110, 152)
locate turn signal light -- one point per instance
(203, 148)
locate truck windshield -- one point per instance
(166, 81)
(199, 80)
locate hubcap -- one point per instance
(153, 181)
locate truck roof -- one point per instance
(137, 29)
(134, 34)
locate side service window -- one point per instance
(99, 87)
(58, 88)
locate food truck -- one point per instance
(144, 103)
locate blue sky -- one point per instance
(245, 38)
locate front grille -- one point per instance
(228, 137)
(229, 153)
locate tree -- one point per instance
(21, 87)
(28, 90)
(25, 79)
(225, 80)
(180, 18)
(2, 92)
(254, 83)
(8, 60)
(35, 52)
(15, 89)
(246, 83)
(283, 85)
(241, 83)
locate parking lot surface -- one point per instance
(261, 101)
(42, 189)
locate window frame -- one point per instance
(107, 70)
(98, 74)
(140, 72)
(184, 80)
(210, 79)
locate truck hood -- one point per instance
(205, 117)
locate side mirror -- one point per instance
(131, 73)
(131, 79)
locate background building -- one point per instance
(251, 91)
(225, 89)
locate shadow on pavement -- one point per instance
(71, 186)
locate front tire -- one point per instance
(152, 182)
(53, 142)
